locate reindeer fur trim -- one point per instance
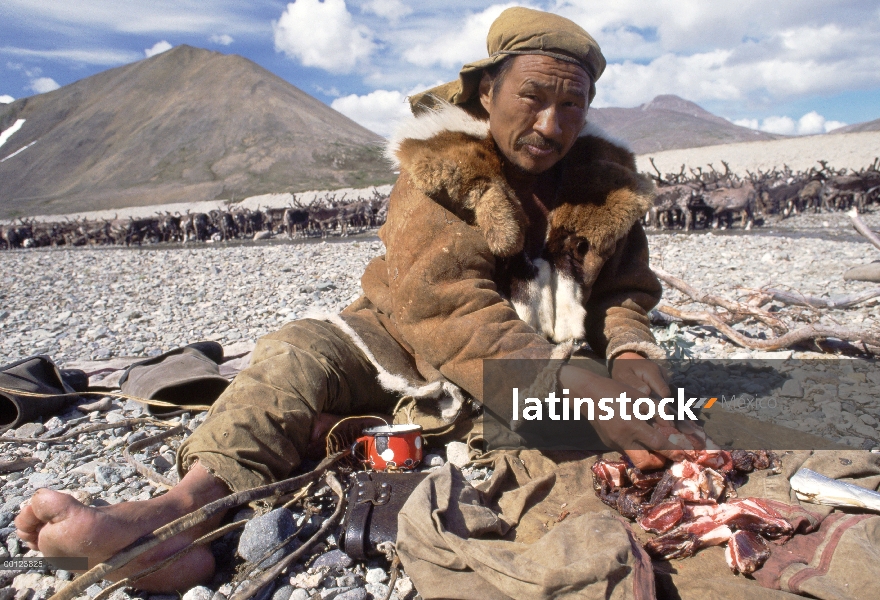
(433, 122)
(449, 396)
(450, 156)
(646, 349)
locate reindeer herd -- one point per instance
(711, 199)
(328, 216)
(695, 200)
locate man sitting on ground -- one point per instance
(512, 231)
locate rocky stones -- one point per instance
(107, 475)
(265, 532)
(433, 460)
(199, 593)
(334, 559)
(457, 453)
(793, 389)
(104, 404)
(42, 480)
(355, 594)
(282, 593)
(377, 590)
(376, 576)
(29, 430)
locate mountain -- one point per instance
(185, 125)
(859, 127)
(668, 122)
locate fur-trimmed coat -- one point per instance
(456, 286)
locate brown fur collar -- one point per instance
(451, 157)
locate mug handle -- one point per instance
(354, 446)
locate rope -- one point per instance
(150, 401)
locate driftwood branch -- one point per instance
(862, 228)
(205, 539)
(799, 299)
(73, 433)
(143, 469)
(802, 334)
(149, 541)
(268, 576)
(11, 465)
(731, 306)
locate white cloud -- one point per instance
(99, 56)
(378, 111)
(159, 17)
(832, 125)
(811, 123)
(332, 91)
(222, 39)
(393, 10)
(41, 85)
(158, 48)
(6, 99)
(739, 56)
(463, 41)
(323, 35)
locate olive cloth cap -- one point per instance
(520, 31)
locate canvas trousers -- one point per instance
(258, 429)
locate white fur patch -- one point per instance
(449, 396)
(593, 130)
(553, 304)
(432, 122)
(568, 322)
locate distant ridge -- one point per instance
(186, 125)
(668, 122)
(859, 127)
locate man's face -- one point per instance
(537, 112)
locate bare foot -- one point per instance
(58, 525)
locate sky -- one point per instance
(789, 66)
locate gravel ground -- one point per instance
(80, 304)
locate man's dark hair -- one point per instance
(498, 71)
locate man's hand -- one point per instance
(646, 447)
(638, 372)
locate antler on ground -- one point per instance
(800, 335)
(862, 228)
(799, 299)
(731, 306)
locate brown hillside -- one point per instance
(185, 125)
(668, 122)
(859, 127)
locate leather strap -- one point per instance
(374, 500)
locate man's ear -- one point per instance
(486, 91)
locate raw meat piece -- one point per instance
(751, 514)
(686, 539)
(611, 472)
(715, 459)
(664, 487)
(642, 480)
(747, 461)
(712, 484)
(746, 552)
(686, 489)
(629, 502)
(685, 468)
(663, 517)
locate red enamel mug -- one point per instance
(390, 447)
